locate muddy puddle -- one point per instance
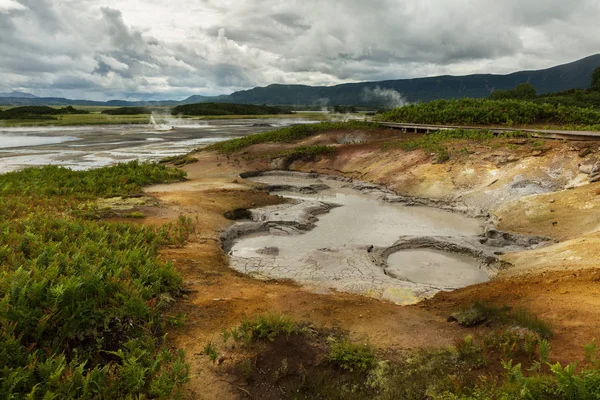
(348, 236)
(435, 267)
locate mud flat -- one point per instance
(351, 236)
(84, 147)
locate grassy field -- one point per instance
(80, 119)
(82, 300)
(96, 118)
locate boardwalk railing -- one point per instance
(542, 133)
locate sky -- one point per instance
(157, 49)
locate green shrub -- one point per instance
(491, 112)
(522, 91)
(117, 180)
(228, 109)
(127, 111)
(179, 161)
(38, 112)
(81, 302)
(306, 153)
(287, 134)
(263, 327)
(351, 357)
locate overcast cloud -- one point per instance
(101, 49)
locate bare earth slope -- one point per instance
(522, 185)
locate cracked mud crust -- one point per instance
(354, 266)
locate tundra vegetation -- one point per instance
(38, 112)
(589, 97)
(82, 299)
(493, 112)
(288, 134)
(442, 143)
(512, 361)
(127, 111)
(228, 109)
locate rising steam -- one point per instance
(388, 98)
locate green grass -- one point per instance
(83, 119)
(118, 180)
(317, 116)
(499, 364)
(438, 142)
(352, 357)
(262, 328)
(287, 134)
(179, 161)
(492, 112)
(82, 302)
(306, 153)
(97, 118)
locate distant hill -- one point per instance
(575, 75)
(204, 99)
(18, 95)
(227, 109)
(563, 77)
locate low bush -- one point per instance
(179, 161)
(350, 356)
(288, 134)
(263, 327)
(127, 111)
(491, 112)
(228, 109)
(118, 180)
(38, 112)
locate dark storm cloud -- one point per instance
(114, 48)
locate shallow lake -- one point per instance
(84, 147)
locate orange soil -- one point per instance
(220, 298)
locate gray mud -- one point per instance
(358, 237)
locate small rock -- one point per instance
(584, 152)
(518, 141)
(551, 201)
(470, 317)
(554, 223)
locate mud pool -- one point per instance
(350, 236)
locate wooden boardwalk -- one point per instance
(541, 133)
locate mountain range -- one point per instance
(368, 94)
